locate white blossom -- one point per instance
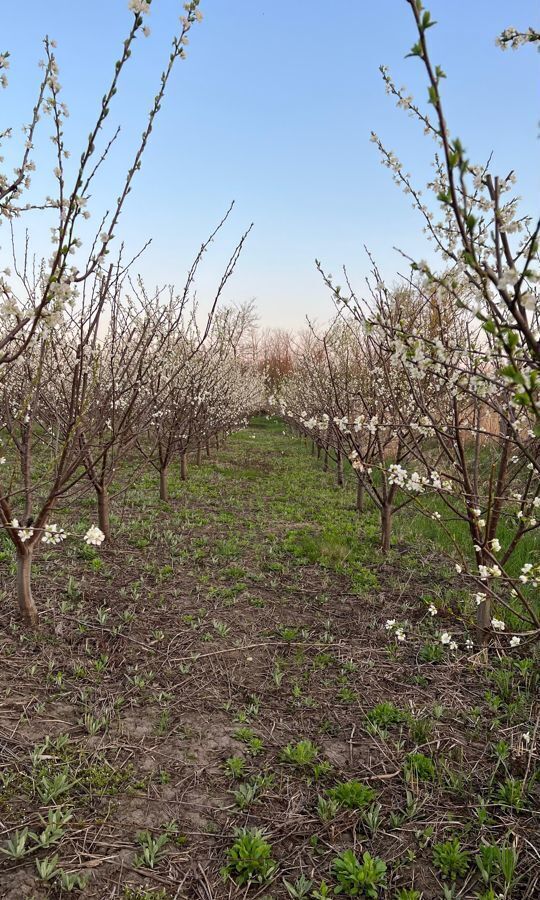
(508, 279)
(94, 536)
(52, 534)
(24, 532)
(139, 7)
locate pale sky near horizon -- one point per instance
(273, 108)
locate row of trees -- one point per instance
(431, 388)
(408, 391)
(94, 368)
(123, 377)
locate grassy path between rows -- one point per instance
(225, 665)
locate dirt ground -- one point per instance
(233, 623)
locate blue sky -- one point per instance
(274, 108)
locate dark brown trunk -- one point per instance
(339, 469)
(163, 485)
(183, 466)
(483, 622)
(104, 512)
(198, 456)
(27, 606)
(360, 496)
(208, 447)
(386, 528)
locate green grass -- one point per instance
(227, 659)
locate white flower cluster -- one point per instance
(512, 39)
(397, 630)
(500, 626)
(448, 641)
(530, 574)
(4, 64)
(413, 481)
(139, 7)
(23, 532)
(487, 572)
(94, 536)
(52, 534)
(355, 461)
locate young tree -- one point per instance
(22, 306)
(49, 338)
(480, 442)
(481, 235)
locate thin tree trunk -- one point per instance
(325, 466)
(318, 451)
(483, 622)
(198, 456)
(339, 471)
(27, 606)
(313, 448)
(183, 465)
(163, 485)
(208, 447)
(104, 509)
(360, 495)
(386, 528)
(217, 441)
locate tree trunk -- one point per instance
(360, 496)
(217, 441)
(104, 508)
(198, 456)
(313, 448)
(27, 606)
(183, 465)
(163, 485)
(386, 528)
(339, 469)
(325, 466)
(483, 622)
(318, 451)
(208, 447)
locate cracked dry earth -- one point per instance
(232, 622)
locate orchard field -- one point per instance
(225, 665)
(269, 540)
